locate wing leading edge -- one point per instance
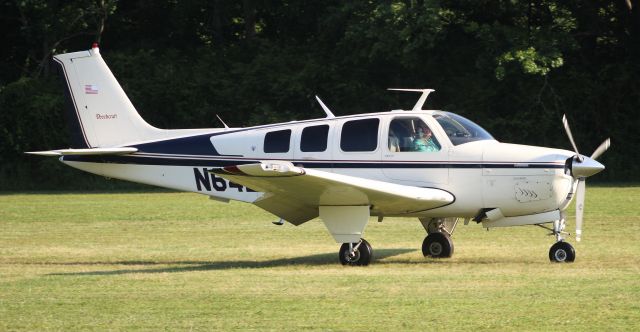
(295, 193)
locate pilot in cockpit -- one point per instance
(423, 141)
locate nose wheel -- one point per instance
(437, 245)
(356, 254)
(562, 252)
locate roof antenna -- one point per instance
(325, 108)
(225, 125)
(421, 100)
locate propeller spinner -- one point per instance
(581, 168)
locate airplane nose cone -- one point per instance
(585, 168)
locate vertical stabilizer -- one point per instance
(100, 113)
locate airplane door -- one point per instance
(312, 146)
(412, 154)
(356, 147)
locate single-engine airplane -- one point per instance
(436, 166)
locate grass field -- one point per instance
(176, 261)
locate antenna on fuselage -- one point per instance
(421, 100)
(225, 125)
(325, 108)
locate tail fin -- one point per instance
(100, 113)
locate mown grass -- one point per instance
(176, 261)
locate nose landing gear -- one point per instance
(561, 251)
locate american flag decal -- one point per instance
(91, 89)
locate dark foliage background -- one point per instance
(513, 66)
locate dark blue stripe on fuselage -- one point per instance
(162, 161)
(193, 145)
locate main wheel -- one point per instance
(562, 252)
(360, 257)
(437, 245)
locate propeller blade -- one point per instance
(579, 207)
(601, 149)
(568, 131)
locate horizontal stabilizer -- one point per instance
(85, 152)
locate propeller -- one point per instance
(581, 168)
(565, 123)
(601, 149)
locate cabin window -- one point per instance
(277, 141)
(314, 138)
(411, 134)
(360, 135)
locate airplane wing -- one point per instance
(85, 152)
(294, 193)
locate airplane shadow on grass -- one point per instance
(188, 266)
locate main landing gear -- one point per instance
(356, 254)
(561, 251)
(438, 243)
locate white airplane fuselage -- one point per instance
(517, 179)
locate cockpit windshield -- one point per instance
(460, 129)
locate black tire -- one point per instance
(437, 245)
(362, 257)
(562, 252)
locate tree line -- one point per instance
(513, 66)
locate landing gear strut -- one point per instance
(356, 254)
